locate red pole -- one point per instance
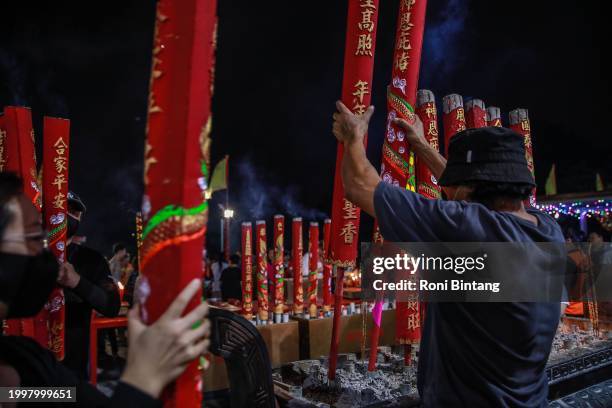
(335, 340)
(262, 271)
(3, 158)
(453, 117)
(313, 268)
(494, 116)
(56, 141)
(362, 18)
(296, 257)
(174, 206)
(327, 268)
(519, 122)
(279, 268)
(427, 112)
(476, 115)
(247, 270)
(21, 159)
(398, 163)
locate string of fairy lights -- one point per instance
(600, 210)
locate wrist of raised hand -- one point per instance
(146, 383)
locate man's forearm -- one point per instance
(359, 177)
(435, 162)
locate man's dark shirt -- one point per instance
(37, 367)
(475, 354)
(230, 283)
(96, 290)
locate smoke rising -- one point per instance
(442, 45)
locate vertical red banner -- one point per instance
(327, 269)
(21, 154)
(2, 144)
(247, 270)
(398, 162)
(397, 159)
(297, 251)
(21, 159)
(426, 110)
(279, 266)
(453, 117)
(359, 51)
(262, 270)
(494, 116)
(519, 122)
(56, 153)
(313, 268)
(360, 46)
(476, 115)
(174, 206)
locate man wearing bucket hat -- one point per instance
(88, 285)
(472, 354)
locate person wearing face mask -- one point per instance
(471, 354)
(157, 354)
(88, 285)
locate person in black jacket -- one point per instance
(88, 285)
(231, 278)
(157, 354)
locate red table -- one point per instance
(99, 322)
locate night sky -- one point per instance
(279, 70)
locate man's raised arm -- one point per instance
(359, 177)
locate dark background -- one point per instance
(279, 70)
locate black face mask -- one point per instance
(73, 226)
(26, 282)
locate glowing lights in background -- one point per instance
(600, 210)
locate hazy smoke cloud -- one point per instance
(442, 41)
(15, 77)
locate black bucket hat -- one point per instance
(492, 154)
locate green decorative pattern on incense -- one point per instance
(395, 98)
(170, 211)
(57, 229)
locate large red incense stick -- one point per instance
(296, 257)
(279, 267)
(453, 117)
(359, 51)
(327, 268)
(476, 115)
(174, 207)
(494, 116)
(426, 110)
(262, 270)
(398, 163)
(313, 265)
(247, 270)
(519, 122)
(56, 141)
(2, 144)
(21, 159)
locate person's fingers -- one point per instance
(180, 303)
(195, 315)
(135, 325)
(368, 113)
(342, 108)
(402, 123)
(193, 351)
(191, 336)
